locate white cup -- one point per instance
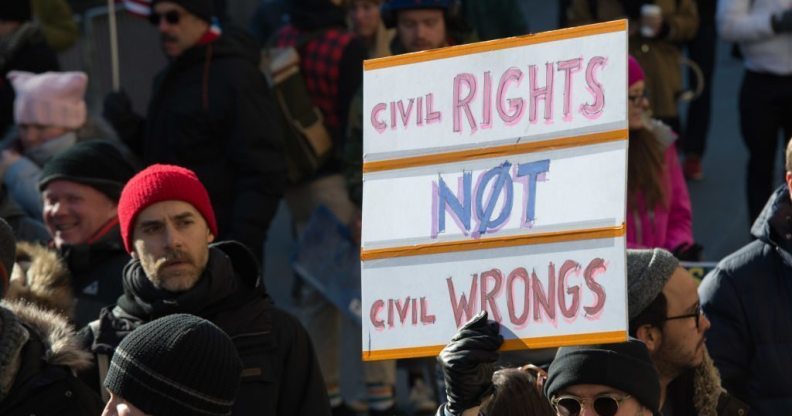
(650, 11)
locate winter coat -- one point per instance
(662, 226)
(698, 392)
(25, 227)
(96, 271)
(280, 374)
(747, 298)
(47, 356)
(41, 277)
(659, 56)
(25, 50)
(211, 111)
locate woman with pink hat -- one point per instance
(658, 204)
(50, 116)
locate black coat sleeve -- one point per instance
(254, 149)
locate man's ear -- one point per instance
(209, 237)
(651, 336)
(134, 254)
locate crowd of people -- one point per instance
(131, 246)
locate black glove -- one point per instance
(127, 124)
(468, 363)
(782, 22)
(688, 252)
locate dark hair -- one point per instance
(654, 314)
(645, 166)
(515, 394)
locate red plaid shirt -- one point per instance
(320, 61)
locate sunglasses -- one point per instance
(171, 16)
(696, 315)
(605, 405)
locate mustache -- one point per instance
(174, 256)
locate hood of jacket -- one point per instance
(61, 346)
(773, 226)
(699, 392)
(41, 277)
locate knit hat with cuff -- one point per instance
(647, 273)
(95, 163)
(158, 183)
(625, 366)
(50, 99)
(176, 365)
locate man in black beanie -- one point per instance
(212, 113)
(606, 380)
(80, 188)
(22, 48)
(176, 365)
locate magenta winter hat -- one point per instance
(50, 99)
(634, 71)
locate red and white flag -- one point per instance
(140, 8)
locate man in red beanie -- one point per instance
(167, 224)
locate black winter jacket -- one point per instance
(44, 384)
(96, 270)
(280, 373)
(747, 298)
(211, 111)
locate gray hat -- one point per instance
(7, 255)
(647, 273)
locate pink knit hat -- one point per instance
(634, 71)
(50, 99)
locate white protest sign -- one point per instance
(495, 179)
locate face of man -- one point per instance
(587, 394)
(171, 240)
(682, 342)
(421, 29)
(120, 407)
(74, 213)
(182, 34)
(365, 17)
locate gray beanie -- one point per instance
(647, 273)
(7, 255)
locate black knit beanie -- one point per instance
(204, 9)
(176, 365)
(15, 10)
(624, 366)
(95, 163)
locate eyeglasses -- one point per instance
(637, 99)
(696, 315)
(171, 16)
(604, 405)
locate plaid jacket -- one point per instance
(320, 62)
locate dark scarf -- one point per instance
(220, 295)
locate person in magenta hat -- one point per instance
(658, 204)
(169, 227)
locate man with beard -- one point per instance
(167, 224)
(420, 25)
(211, 112)
(665, 313)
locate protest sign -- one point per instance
(495, 179)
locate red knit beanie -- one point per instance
(159, 183)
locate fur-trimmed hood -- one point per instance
(706, 387)
(42, 278)
(61, 345)
(699, 392)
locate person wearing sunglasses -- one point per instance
(605, 380)
(211, 111)
(665, 313)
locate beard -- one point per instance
(177, 271)
(673, 358)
